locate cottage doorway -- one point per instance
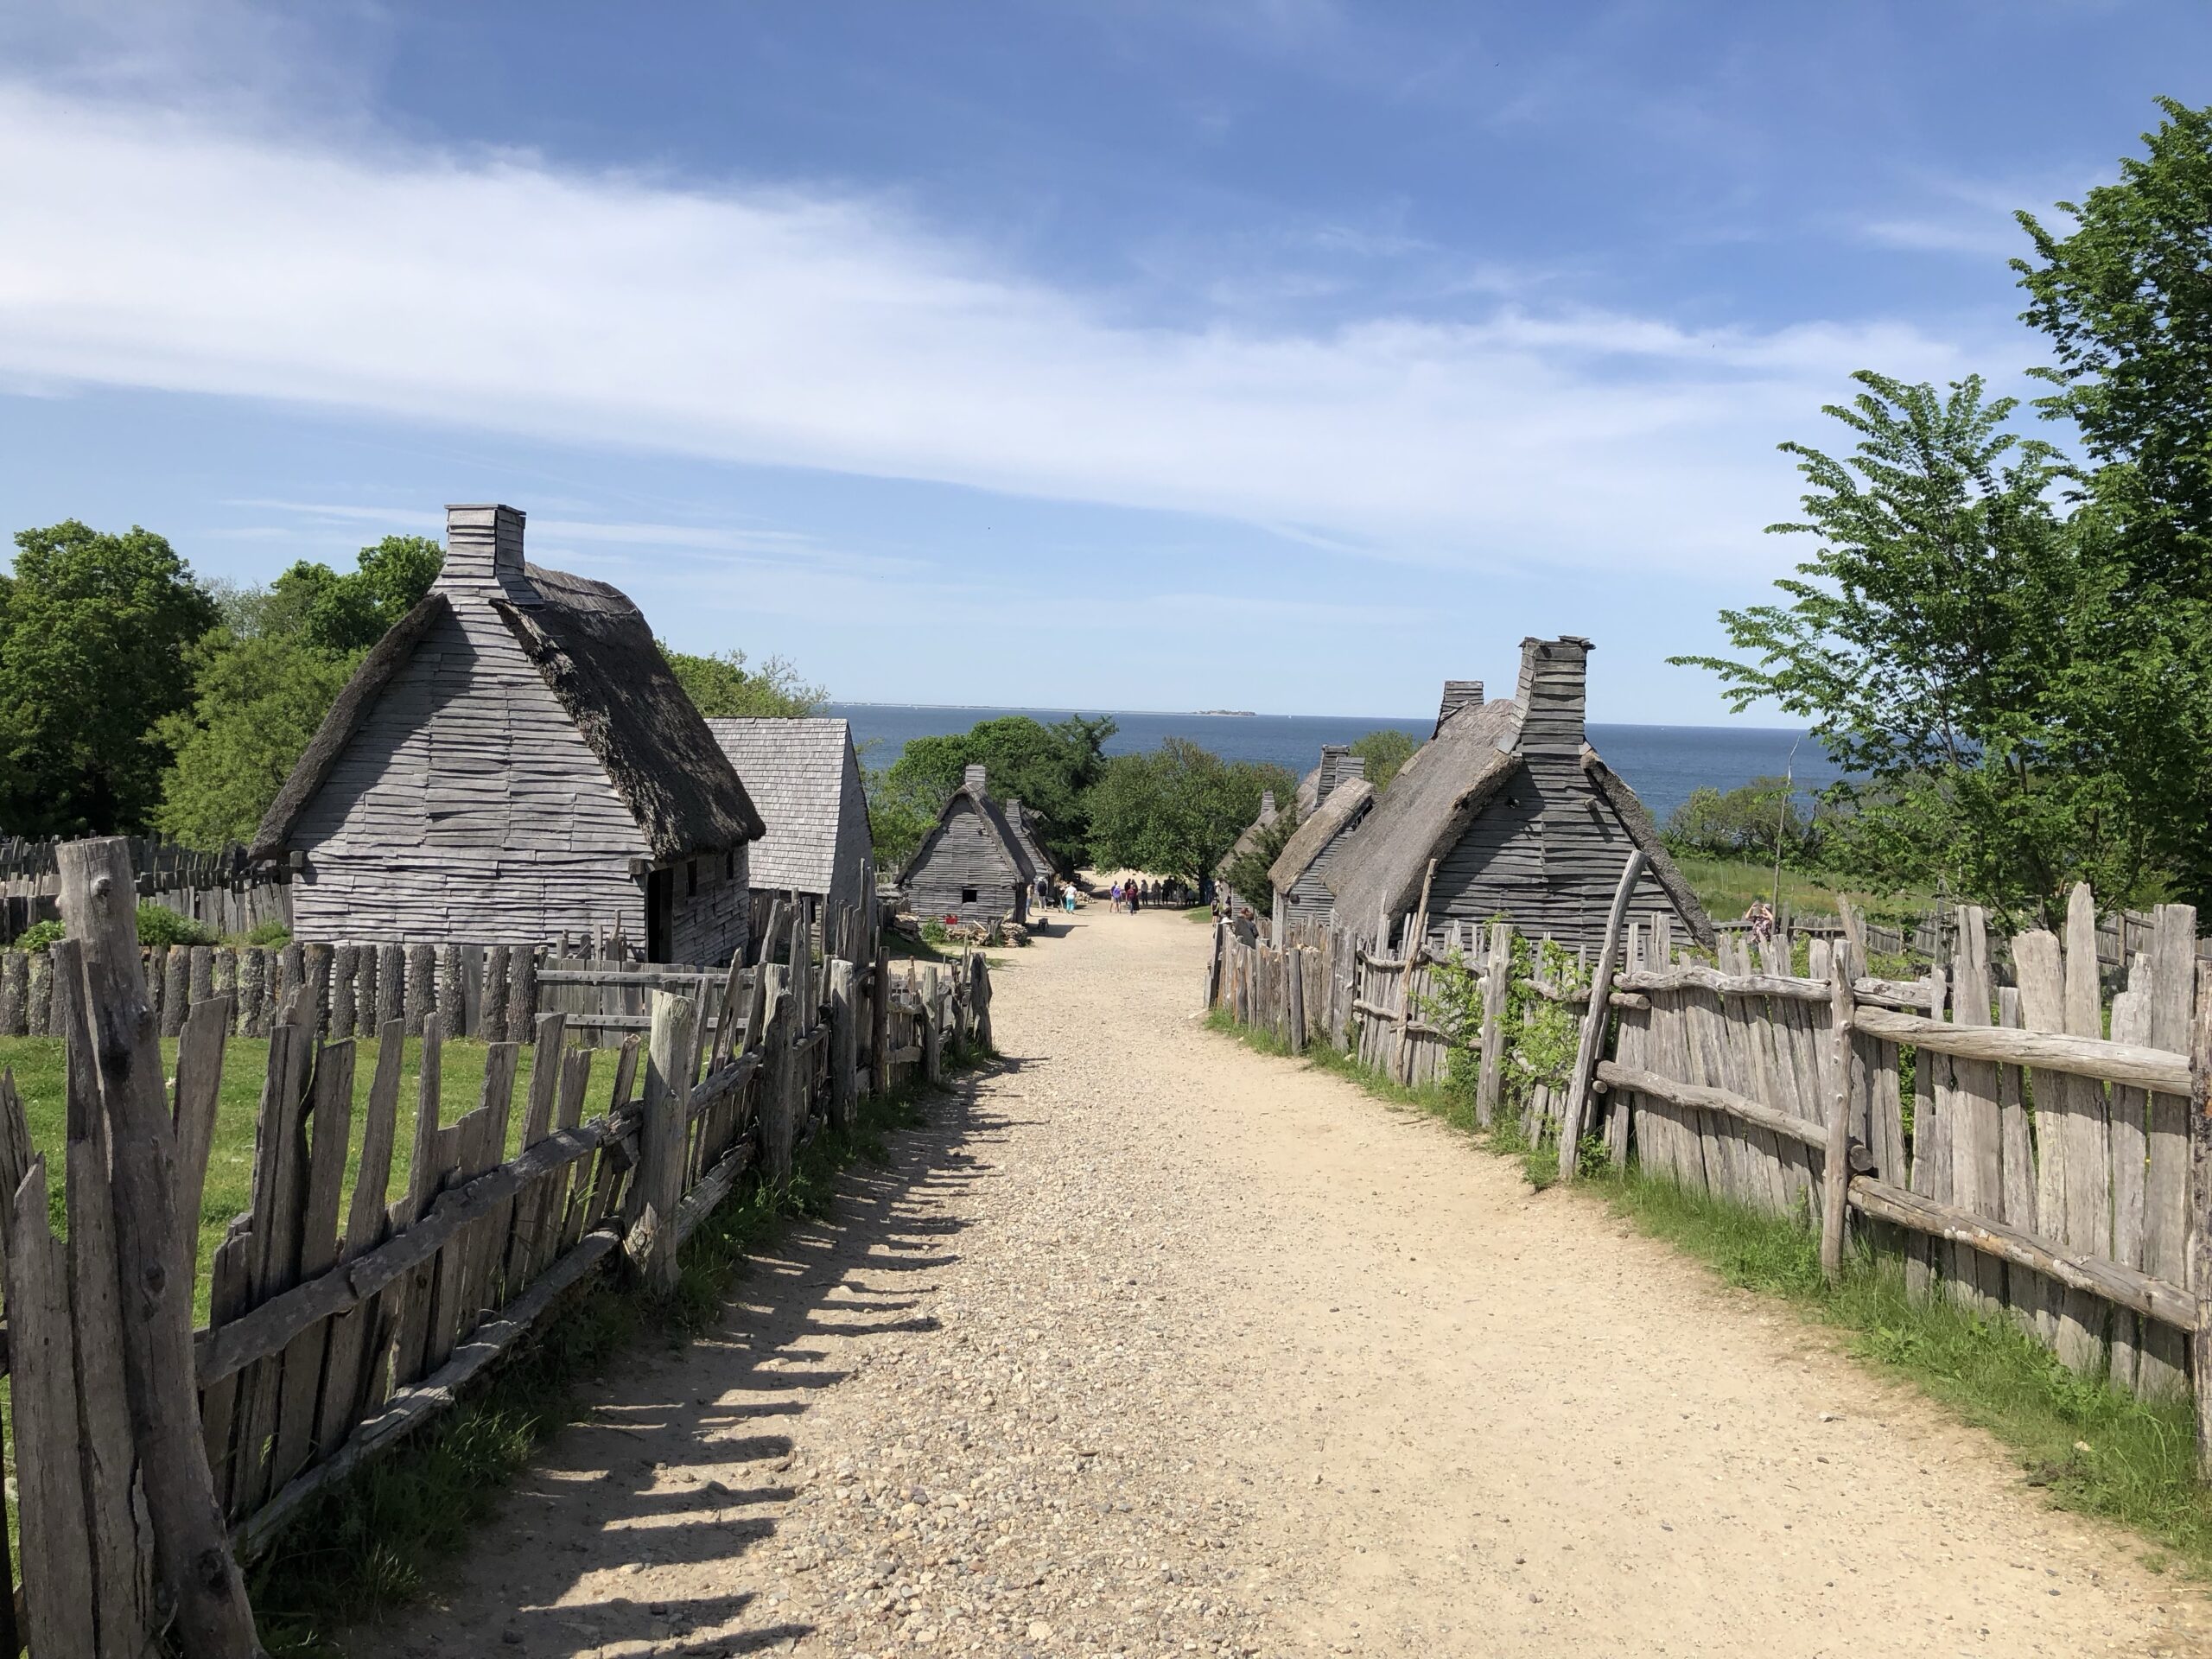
(660, 915)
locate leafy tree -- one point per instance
(257, 701)
(1952, 642)
(94, 632)
(901, 811)
(2126, 299)
(1384, 750)
(1247, 874)
(1176, 810)
(1049, 769)
(723, 687)
(1744, 823)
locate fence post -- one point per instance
(983, 1004)
(879, 1014)
(844, 1045)
(2198, 1265)
(195, 1571)
(1295, 995)
(933, 1038)
(1835, 1170)
(660, 1141)
(1593, 1020)
(1498, 972)
(776, 1059)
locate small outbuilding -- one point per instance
(970, 865)
(513, 761)
(804, 778)
(1518, 817)
(1342, 800)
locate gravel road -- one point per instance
(1149, 1345)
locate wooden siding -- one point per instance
(1545, 853)
(963, 853)
(711, 922)
(854, 881)
(1309, 899)
(466, 806)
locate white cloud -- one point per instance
(156, 248)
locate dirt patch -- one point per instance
(1148, 1345)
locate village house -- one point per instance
(1342, 798)
(1507, 811)
(804, 778)
(970, 865)
(514, 761)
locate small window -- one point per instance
(691, 878)
(967, 895)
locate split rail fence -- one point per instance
(340, 1319)
(2033, 1140)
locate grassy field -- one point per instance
(1726, 887)
(40, 1069)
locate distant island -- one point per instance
(1239, 713)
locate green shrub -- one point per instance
(934, 931)
(38, 935)
(158, 926)
(268, 934)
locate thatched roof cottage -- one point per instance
(513, 760)
(1519, 817)
(970, 865)
(1342, 799)
(804, 777)
(1023, 823)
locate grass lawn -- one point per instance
(40, 1068)
(1726, 887)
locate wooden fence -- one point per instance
(220, 890)
(341, 1320)
(1980, 1122)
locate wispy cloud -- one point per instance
(160, 248)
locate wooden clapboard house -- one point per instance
(1517, 815)
(513, 761)
(970, 865)
(804, 778)
(1342, 799)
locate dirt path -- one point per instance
(1151, 1345)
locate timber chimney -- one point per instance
(972, 779)
(1457, 695)
(1268, 812)
(1338, 765)
(1552, 691)
(483, 550)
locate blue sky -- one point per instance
(1290, 355)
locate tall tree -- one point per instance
(723, 687)
(94, 637)
(1952, 643)
(1049, 769)
(1384, 750)
(1177, 809)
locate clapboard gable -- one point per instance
(970, 866)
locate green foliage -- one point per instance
(266, 934)
(257, 702)
(1384, 750)
(1247, 874)
(1744, 823)
(934, 931)
(1952, 642)
(158, 925)
(1049, 769)
(1177, 809)
(724, 688)
(93, 635)
(40, 936)
(317, 608)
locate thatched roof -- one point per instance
(1249, 839)
(1327, 822)
(972, 788)
(1428, 807)
(360, 693)
(796, 772)
(1023, 823)
(597, 656)
(1645, 834)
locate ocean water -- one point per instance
(1662, 764)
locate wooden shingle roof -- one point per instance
(796, 772)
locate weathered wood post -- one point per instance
(932, 1037)
(15, 987)
(983, 1005)
(660, 1141)
(1587, 1053)
(1835, 1170)
(176, 988)
(1498, 977)
(1294, 995)
(844, 1045)
(493, 1017)
(345, 968)
(777, 1064)
(2198, 1258)
(1213, 967)
(522, 993)
(195, 1574)
(421, 992)
(879, 1014)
